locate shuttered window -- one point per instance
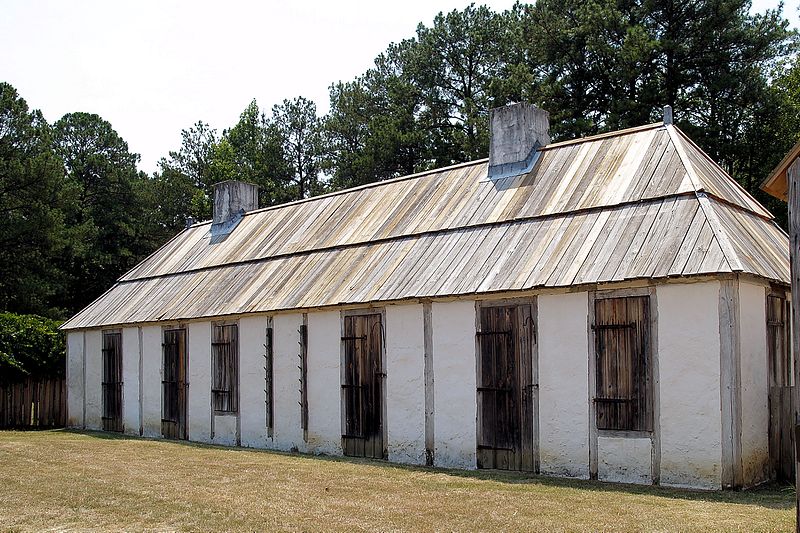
(225, 368)
(623, 395)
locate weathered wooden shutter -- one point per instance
(269, 383)
(362, 386)
(505, 388)
(303, 377)
(225, 367)
(112, 381)
(622, 348)
(173, 383)
(781, 379)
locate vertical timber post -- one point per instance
(793, 177)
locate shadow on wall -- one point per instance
(771, 496)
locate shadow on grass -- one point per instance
(772, 496)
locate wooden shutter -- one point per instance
(622, 347)
(225, 367)
(112, 381)
(269, 385)
(173, 383)
(362, 386)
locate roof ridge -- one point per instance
(365, 186)
(606, 135)
(716, 227)
(730, 178)
(416, 175)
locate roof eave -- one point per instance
(777, 184)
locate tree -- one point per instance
(299, 128)
(455, 65)
(32, 233)
(104, 209)
(180, 189)
(252, 151)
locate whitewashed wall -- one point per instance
(198, 416)
(94, 379)
(75, 392)
(624, 460)
(755, 385)
(252, 406)
(405, 383)
(151, 380)
(454, 364)
(564, 385)
(324, 383)
(288, 430)
(130, 380)
(689, 369)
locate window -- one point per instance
(623, 395)
(225, 368)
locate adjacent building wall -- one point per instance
(324, 383)
(563, 385)
(252, 400)
(454, 366)
(130, 380)
(286, 344)
(689, 370)
(755, 383)
(405, 383)
(75, 385)
(151, 380)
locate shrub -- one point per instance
(30, 346)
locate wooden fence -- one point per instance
(33, 403)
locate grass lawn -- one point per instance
(68, 480)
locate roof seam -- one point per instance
(519, 220)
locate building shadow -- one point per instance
(779, 496)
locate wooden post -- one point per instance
(793, 177)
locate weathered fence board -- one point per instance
(33, 403)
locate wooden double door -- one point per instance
(363, 386)
(506, 389)
(174, 385)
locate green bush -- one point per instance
(30, 345)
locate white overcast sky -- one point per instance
(152, 68)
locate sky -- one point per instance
(152, 68)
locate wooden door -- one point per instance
(362, 387)
(112, 381)
(781, 441)
(173, 399)
(505, 388)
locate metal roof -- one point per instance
(639, 203)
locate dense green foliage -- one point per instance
(78, 213)
(30, 345)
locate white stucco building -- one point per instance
(611, 307)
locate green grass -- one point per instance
(69, 480)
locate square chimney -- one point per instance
(517, 132)
(232, 199)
